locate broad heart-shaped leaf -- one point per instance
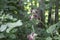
(10, 26)
(48, 38)
(3, 27)
(18, 23)
(52, 28)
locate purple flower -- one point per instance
(31, 36)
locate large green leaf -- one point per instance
(52, 28)
(10, 26)
(3, 27)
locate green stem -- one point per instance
(33, 28)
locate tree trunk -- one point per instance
(56, 11)
(42, 14)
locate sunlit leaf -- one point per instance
(51, 29)
(12, 25)
(3, 28)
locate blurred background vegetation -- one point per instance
(16, 24)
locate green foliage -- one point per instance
(15, 23)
